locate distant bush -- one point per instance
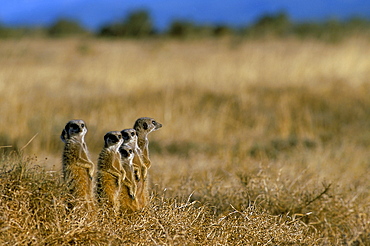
(137, 24)
(186, 29)
(113, 30)
(280, 25)
(180, 29)
(223, 30)
(270, 25)
(6, 32)
(9, 32)
(332, 30)
(63, 28)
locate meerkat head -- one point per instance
(146, 125)
(74, 129)
(113, 140)
(126, 152)
(129, 136)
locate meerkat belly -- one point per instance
(126, 202)
(108, 185)
(78, 181)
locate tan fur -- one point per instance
(143, 126)
(130, 139)
(78, 169)
(110, 173)
(127, 197)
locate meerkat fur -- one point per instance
(128, 200)
(110, 173)
(130, 138)
(78, 169)
(143, 127)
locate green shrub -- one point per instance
(63, 28)
(137, 24)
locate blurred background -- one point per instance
(264, 77)
(183, 18)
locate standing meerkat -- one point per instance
(130, 138)
(143, 126)
(110, 173)
(127, 196)
(78, 169)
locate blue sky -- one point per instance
(95, 13)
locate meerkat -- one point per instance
(78, 169)
(143, 126)
(130, 138)
(127, 197)
(110, 173)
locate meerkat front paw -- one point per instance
(144, 171)
(132, 193)
(137, 174)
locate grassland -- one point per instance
(263, 142)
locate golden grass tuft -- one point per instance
(33, 211)
(263, 142)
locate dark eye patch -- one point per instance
(132, 133)
(124, 153)
(74, 126)
(145, 126)
(125, 136)
(113, 138)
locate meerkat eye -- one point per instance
(82, 125)
(153, 122)
(132, 134)
(119, 136)
(130, 151)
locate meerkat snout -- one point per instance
(156, 124)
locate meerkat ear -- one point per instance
(105, 139)
(63, 136)
(145, 125)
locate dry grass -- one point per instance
(263, 142)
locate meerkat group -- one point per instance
(121, 180)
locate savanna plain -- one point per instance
(264, 142)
